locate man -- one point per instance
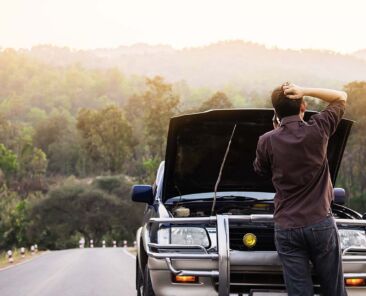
(294, 153)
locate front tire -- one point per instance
(147, 288)
(143, 282)
(139, 279)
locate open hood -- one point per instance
(197, 143)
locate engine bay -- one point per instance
(202, 208)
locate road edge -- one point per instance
(129, 254)
(25, 261)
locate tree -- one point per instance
(218, 101)
(8, 161)
(13, 219)
(57, 137)
(352, 174)
(149, 114)
(33, 161)
(19, 222)
(159, 105)
(118, 185)
(75, 210)
(9, 133)
(51, 130)
(107, 137)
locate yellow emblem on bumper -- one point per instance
(249, 240)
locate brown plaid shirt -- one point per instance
(295, 154)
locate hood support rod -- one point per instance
(221, 168)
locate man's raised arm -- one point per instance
(295, 92)
(328, 119)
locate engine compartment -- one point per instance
(202, 208)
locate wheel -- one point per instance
(143, 283)
(139, 279)
(147, 288)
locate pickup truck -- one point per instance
(208, 225)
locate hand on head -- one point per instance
(292, 91)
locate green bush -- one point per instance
(118, 185)
(73, 211)
(108, 183)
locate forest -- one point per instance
(74, 138)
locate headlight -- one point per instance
(184, 236)
(352, 238)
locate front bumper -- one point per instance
(217, 270)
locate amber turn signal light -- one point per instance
(355, 282)
(185, 279)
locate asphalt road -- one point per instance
(78, 272)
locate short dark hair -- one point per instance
(283, 105)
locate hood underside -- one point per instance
(197, 143)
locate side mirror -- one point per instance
(364, 216)
(142, 193)
(339, 196)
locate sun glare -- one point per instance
(327, 24)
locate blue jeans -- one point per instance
(318, 244)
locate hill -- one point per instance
(232, 63)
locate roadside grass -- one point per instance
(16, 256)
(132, 250)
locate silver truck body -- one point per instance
(223, 267)
(214, 269)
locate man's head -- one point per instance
(284, 106)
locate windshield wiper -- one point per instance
(221, 168)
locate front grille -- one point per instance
(273, 279)
(264, 234)
(244, 282)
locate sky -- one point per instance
(338, 25)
